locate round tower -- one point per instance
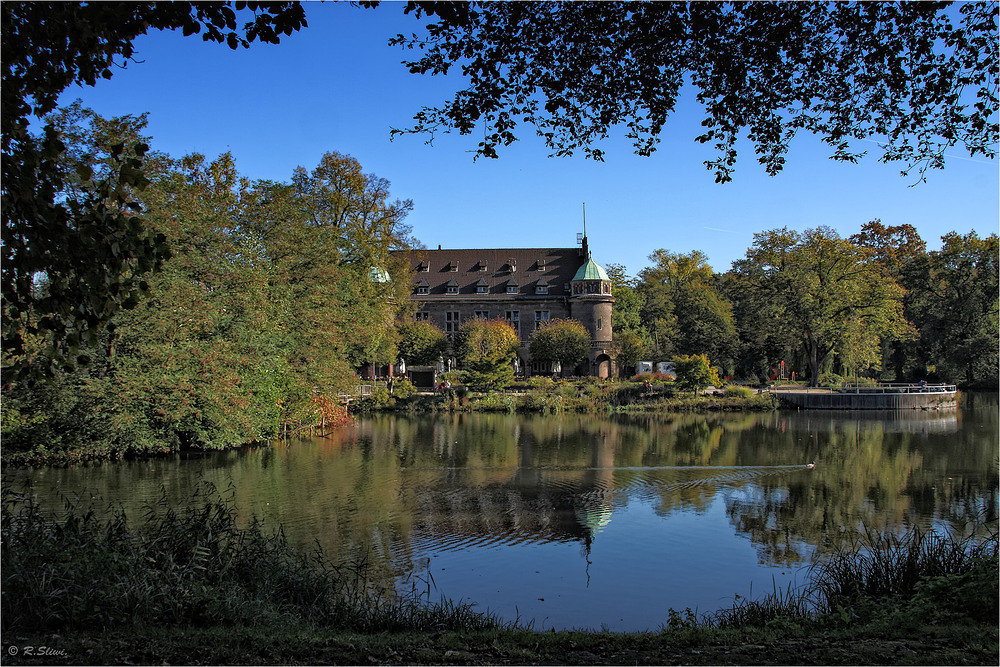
(590, 304)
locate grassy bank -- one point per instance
(189, 585)
(584, 395)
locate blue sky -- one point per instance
(338, 86)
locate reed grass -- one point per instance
(919, 577)
(947, 572)
(191, 567)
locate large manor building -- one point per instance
(524, 286)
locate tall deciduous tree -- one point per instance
(917, 77)
(957, 309)
(356, 210)
(632, 340)
(684, 310)
(900, 253)
(824, 291)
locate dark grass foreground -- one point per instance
(189, 586)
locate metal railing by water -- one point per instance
(897, 388)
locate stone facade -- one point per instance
(524, 286)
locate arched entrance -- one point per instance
(603, 364)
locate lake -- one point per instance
(584, 522)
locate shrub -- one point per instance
(381, 397)
(541, 382)
(497, 403)
(737, 391)
(404, 389)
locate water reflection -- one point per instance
(582, 521)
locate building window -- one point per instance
(451, 322)
(599, 322)
(513, 318)
(541, 316)
(422, 316)
(482, 314)
(423, 289)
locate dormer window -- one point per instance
(452, 286)
(512, 265)
(423, 267)
(541, 265)
(453, 267)
(542, 287)
(423, 287)
(482, 287)
(512, 286)
(483, 265)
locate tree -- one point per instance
(822, 290)
(564, 341)
(694, 372)
(355, 210)
(487, 349)
(421, 343)
(956, 309)
(630, 349)
(74, 257)
(761, 345)
(632, 339)
(900, 253)
(902, 73)
(683, 309)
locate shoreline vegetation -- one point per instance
(541, 394)
(199, 585)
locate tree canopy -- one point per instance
(694, 372)
(421, 343)
(686, 314)
(487, 348)
(824, 293)
(916, 78)
(565, 341)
